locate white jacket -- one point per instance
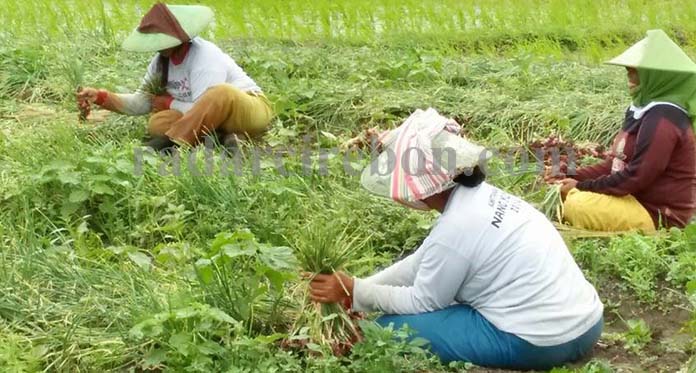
(495, 252)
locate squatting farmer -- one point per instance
(493, 283)
(650, 179)
(198, 89)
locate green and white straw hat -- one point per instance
(656, 52)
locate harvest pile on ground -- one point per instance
(556, 153)
(110, 259)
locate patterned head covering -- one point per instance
(421, 158)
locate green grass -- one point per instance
(102, 269)
(484, 23)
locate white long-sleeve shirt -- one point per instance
(204, 66)
(495, 252)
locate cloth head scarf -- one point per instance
(666, 86)
(421, 158)
(666, 73)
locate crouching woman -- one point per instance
(191, 88)
(493, 283)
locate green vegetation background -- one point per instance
(103, 269)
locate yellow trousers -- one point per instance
(221, 107)
(602, 212)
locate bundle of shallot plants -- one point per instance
(552, 205)
(324, 249)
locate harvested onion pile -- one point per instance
(563, 148)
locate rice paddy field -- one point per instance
(113, 260)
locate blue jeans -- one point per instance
(460, 333)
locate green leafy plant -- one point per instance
(594, 366)
(639, 261)
(691, 365)
(190, 338)
(681, 242)
(18, 354)
(386, 349)
(637, 336)
(174, 254)
(682, 269)
(245, 277)
(691, 324)
(160, 220)
(89, 182)
(138, 257)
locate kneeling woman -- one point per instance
(649, 181)
(493, 283)
(202, 89)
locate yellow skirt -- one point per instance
(602, 212)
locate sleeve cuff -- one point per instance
(348, 303)
(361, 300)
(583, 185)
(579, 175)
(102, 95)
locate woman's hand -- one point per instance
(334, 288)
(549, 176)
(86, 96)
(161, 103)
(567, 185)
(364, 139)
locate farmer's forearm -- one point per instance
(401, 300)
(440, 273)
(130, 104)
(592, 172)
(401, 273)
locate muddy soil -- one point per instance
(668, 351)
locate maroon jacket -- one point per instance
(653, 159)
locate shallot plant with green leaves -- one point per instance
(324, 248)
